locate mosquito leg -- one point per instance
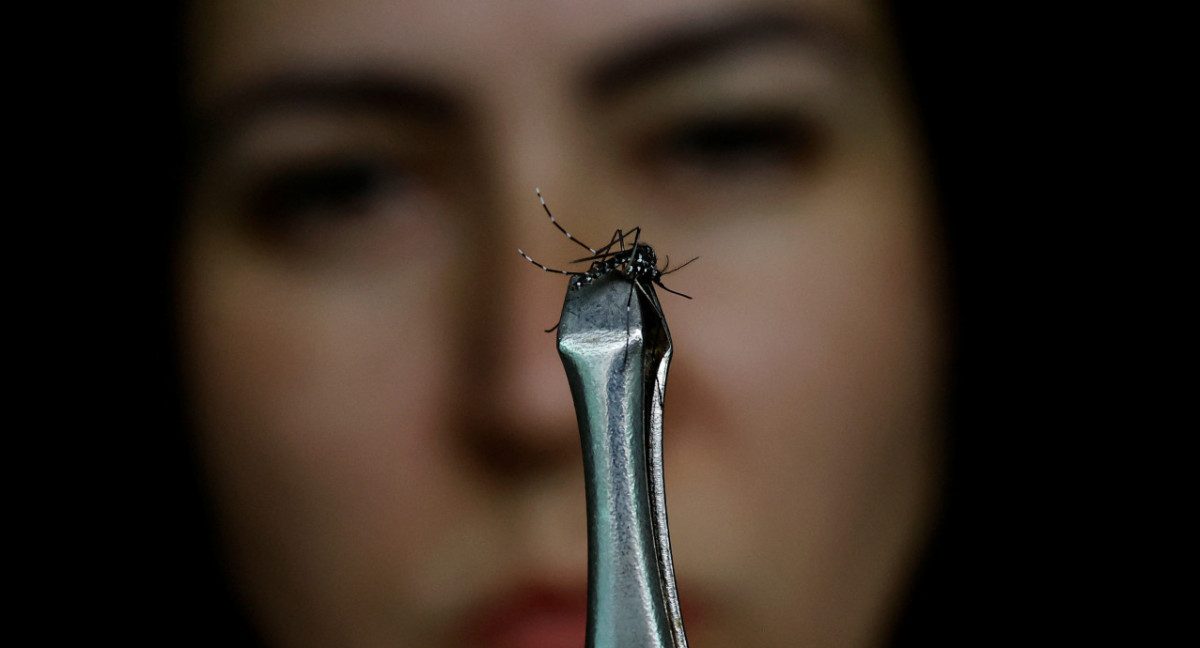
(653, 303)
(632, 260)
(560, 227)
(637, 234)
(606, 251)
(628, 313)
(530, 259)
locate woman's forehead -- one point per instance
(235, 43)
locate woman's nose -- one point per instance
(518, 417)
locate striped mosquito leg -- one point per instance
(560, 227)
(530, 259)
(630, 263)
(637, 232)
(607, 251)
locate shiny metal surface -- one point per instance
(616, 352)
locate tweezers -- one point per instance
(616, 349)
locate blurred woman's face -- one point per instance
(386, 426)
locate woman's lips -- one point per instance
(531, 617)
(543, 616)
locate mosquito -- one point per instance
(637, 262)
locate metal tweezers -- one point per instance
(616, 348)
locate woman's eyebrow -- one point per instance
(692, 44)
(386, 93)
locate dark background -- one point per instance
(1058, 510)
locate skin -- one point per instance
(385, 426)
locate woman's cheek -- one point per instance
(802, 396)
(321, 405)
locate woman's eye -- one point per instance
(327, 191)
(738, 144)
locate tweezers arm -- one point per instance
(616, 351)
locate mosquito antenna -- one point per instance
(665, 271)
(673, 292)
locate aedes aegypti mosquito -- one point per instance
(637, 262)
